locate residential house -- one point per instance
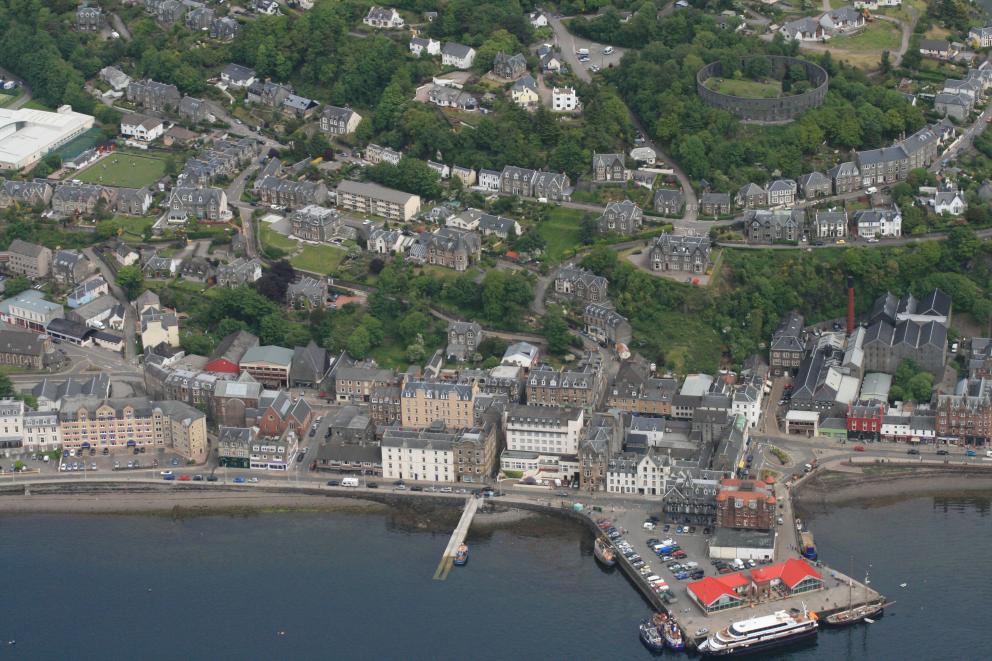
(680, 253)
(464, 338)
(814, 185)
(803, 29)
(158, 267)
(524, 92)
(491, 180)
(609, 167)
(457, 55)
(624, 218)
(763, 226)
(751, 196)
(872, 223)
(132, 201)
(572, 386)
(308, 292)
(193, 110)
(552, 186)
(27, 259)
(377, 154)
(846, 177)
(966, 415)
(117, 79)
(957, 106)
(158, 326)
(950, 202)
(422, 403)
(298, 106)
(383, 17)
(669, 201)
(419, 46)
(267, 93)
(980, 37)
(197, 269)
(90, 19)
(782, 192)
(36, 192)
(843, 19)
(139, 127)
(788, 345)
(80, 199)
(581, 285)
(152, 95)
(830, 224)
(339, 121)
(452, 97)
(376, 200)
(205, 204)
(465, 175)
(509, 67)
(292, 194)
(606, 325)
(70, 267)
(87, 291)
(236, 75)
(315, 223)
(715, 204)
(484, 223)
(542, 429)
(939, 48)
(96, 312)
(224, 28)
(452, 248)
(564, 99)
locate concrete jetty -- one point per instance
(457, 538)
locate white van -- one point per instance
(349, 482)
(608, 50)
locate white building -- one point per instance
(747, 402)
(871, 223)
(457, 55)
(11, 424)
(563, 99)
(543, 429)
(418, 455)
(41, 431)
(274, 454)
(142, 128)
(27, 135)
(632, 473)
(383, 17)
(521, 354)
(419, 45)
(950, 202)
(979, 37)
(490, 180)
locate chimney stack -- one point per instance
(850, 304)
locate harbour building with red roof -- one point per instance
(717, 593)
(778, 581)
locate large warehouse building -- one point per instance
(26, 135)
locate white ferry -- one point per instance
(761, 633)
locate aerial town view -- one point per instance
(447, 329)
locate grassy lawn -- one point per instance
(7, 98)
(318, 259)
(272, 238)
(753, 89)
(561, 231)
(877, 36)
(134, 226)
(123, 169)
(35, 104)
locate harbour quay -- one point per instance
(717, 600)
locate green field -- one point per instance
(270, 237)
(751, 89)
(133, 226)
(561, 231)
(318, 259)
(877, 36)
(124, 169)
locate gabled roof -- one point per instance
(792, 572)
(710, 589)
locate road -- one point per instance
(120, 27)
(25, 91)
(130, 317)
(569, 44)
(852, 243)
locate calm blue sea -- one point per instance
(348, 586)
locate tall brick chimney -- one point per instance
(850, 304)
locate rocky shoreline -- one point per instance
(884, 485)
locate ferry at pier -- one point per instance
(762, 633)
(461, 555)
(604, 553)
(651, 637)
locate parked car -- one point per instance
(372, 485)
(211, 478)
(239, 479)
(859, 448)
(943, 452)
(912, 451)
(333, 483)
(169, 477)
(970, 453)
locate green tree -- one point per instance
(555, 330)
(131, 280)
(359, 343)
(272, 329)
(16, 285)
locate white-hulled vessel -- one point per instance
(761, 633)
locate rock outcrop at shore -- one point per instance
(887, 482)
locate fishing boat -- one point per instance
(762, 633)
(808, 545)
(669, 630)
(651, 637)
(461, 555)
(855, 614)
(604, 553)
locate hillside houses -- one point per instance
(292, 194)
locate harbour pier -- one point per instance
(457, 538)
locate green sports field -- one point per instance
(124, 169)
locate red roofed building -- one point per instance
(717, 593)
(793, 576)
(747, 504)
(226, 358)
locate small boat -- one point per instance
(869, 620)
(461, 555)
(650, 637)
(604, 553)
